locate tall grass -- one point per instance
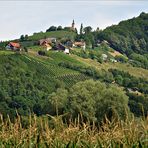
(38, 132)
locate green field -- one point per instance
(135, 71)
(55, 34)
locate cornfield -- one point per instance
(38, 132)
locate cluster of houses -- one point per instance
(51, 44)
(54, 44)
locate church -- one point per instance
(72, 27)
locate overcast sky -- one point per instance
(27, 17)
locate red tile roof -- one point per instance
(17, 45)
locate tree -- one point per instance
(87, 29)
(22, 38)
(59, 28)
(82, 100)
(81, 29)
(58, 99)
(98, 29)
(111, 102)
(26, 37)
(93, 100)
(52, 28)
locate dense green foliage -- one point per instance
(22, 84)
(130, 37)
(92, 100)
(137, 90)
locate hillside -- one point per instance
(53, 88)
(27, 80)
(131, 38)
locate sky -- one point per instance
(27, 17)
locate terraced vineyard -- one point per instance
(71, 79)
(68, 76)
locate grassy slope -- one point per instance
(60, 57)
(28, 79)
(56, 34)
(50, 65)
(55, 58)
(138, 72)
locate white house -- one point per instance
(66, 51)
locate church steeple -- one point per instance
(73, 24)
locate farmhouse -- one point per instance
(47, 41)
(13, 46)
(80, 44)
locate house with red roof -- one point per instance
(13, 46)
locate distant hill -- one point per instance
(129, 36)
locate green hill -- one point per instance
(27, 80)
(55, 34)
(131, 38)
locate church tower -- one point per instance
(73, 24)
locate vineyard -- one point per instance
(71, 79)
(59, 57)
(68, 76)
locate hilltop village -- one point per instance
(66, 40)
